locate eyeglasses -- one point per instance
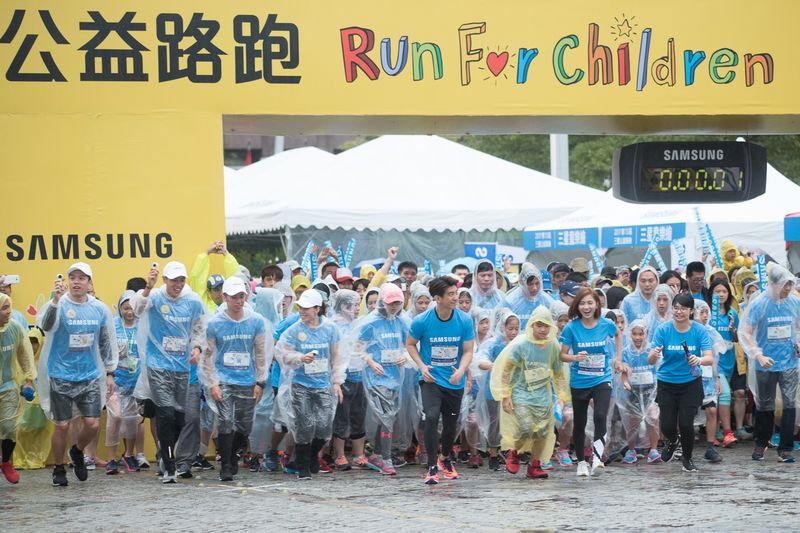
(680, 308)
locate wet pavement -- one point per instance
(736, 495)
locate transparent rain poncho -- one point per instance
(702, 314)
(478, 315)
(268, 302)
(527, 371)
(80, 347)
(522, 300)
(770, 327)
(169, 329)
(638, 408)
(16, 366)
(465, 295)
(289, 299)
(345, 310)
(380, 343)
(122, 404)
(306, 403)
(417, 302)
(635, 305)
(490, 296)
(661, 310)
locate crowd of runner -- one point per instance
(481, 368)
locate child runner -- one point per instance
(712, 384)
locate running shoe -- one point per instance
(548, 465)
(111, 468)
(185, 472)
(494, 463)
(89, 462)
(712, 455)
(303, 473)
(785, 457)
(410, 457)
(447, 468)
(271, 461)
(536, 471)
(388, 468)
(669, 451)
(653, 456)
(361, 462)
(743, 434)
(598, 467)
(422, 455)
(11, 475)
(796, 446)
(775, 440)
(512, 462)
(758, 453)
(169, 478)
(432, 476)
(475, 461)
(130, 464)
(525, 458)
(463, 456)
(225, 474)
(201, 463)
(142, 461)
(630, 457)
(563, 458)
(398, 462)
(688, 465)
(60, 476)
(323, 466)
(254, 463)
(290, 468)
(583, 469)
(160, 468)
(341, 464)
(728, 439)
(720, 435)
(78, 465)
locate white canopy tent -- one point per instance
(757, 223)
(396, 183)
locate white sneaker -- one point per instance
(89, 462)
(598, 467)
(583, 469)
(169, 478)
(142, 461)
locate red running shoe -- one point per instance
(512, 462)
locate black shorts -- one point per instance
(737, 380)
(82, 395)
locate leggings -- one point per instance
(601, 394)
(678, 404)
(445, 403)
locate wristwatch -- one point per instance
(261, 384)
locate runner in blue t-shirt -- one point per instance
(446, 340)
(679, 347)
(584, 344)
(770, 335)
(233, 371)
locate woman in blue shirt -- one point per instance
(586, 337)
(679, 347)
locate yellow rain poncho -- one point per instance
(738, 260)
(201, 271)
(34, 430)
(527, 371)
(743, 277)
(366, 270)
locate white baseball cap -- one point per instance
(310, 298)
(81, 267)
(175, 270)
(292, 264)
(233, 286)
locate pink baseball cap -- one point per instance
(391, 293)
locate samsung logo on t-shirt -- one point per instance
(594, 344)
(679, 347)
(83, 322)
(445, 339)
(390, 335)
(237, 337)
(778, 319)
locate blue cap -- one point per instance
(215, 281)
(570, 288)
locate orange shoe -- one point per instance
(448, 468)
(12, 476)
(512, 462)
(432, 476)
(728, 439)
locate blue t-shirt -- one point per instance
(643, 374)
(492, 351)
(127, 371)
(347, 344)
(634, 307)
(776, 330)
(385, 342)
(522, 307)
(75, 342)
(170, 324)
(441, 343)
(728, 359)
(302, 338)
(235, 360)
(674, 367)
(596, 368)
(283, 325)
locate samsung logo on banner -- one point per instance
(89, 246)
(694, 155)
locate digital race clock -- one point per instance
(689, 172)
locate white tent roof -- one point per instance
(756, 223)
(403, 182)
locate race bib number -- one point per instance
(132, 364)
(444, 355)
(593, 365)
(80, 342)
(236, 359)
(174, 345)
(641, 379)
(707, 372)
(779, 333)
(537, 377)
(317, 366)
(391, 357)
